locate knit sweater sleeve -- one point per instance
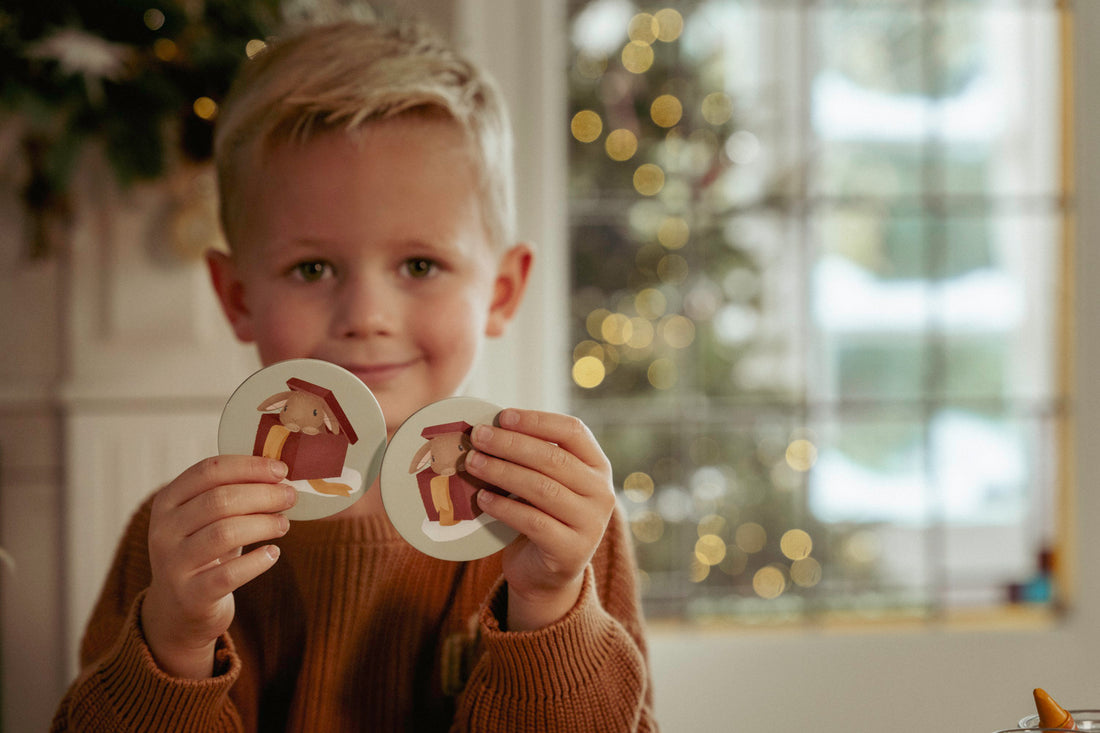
(120, 687)
(586, 672)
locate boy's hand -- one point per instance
(199, 524)
(554, 464)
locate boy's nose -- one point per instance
(364, 308)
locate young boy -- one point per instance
(366, 196)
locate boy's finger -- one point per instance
(233, 500)
(219, 579)
(226, 535)
(565, 430)
(526, 450)
(219, 470)
(541, 491)
(538, 526)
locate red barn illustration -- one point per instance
(449, 493)
(306, 428)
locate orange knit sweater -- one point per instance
(354, 630)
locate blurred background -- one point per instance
(807, 268)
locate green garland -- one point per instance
(141, 77)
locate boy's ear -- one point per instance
(508, 289)
(230, 290)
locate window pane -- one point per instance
(816, 261)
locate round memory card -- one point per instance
(319, 419)
(428, 495)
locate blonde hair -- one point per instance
(348, 74)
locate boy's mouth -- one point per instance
(379, 372)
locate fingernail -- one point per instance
(291, 495)
(284, 524)
(509, 417)
(485, 497)
(482, 433)
(475, 459)
(273, 551)
(278, 468)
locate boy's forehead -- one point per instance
(436, 147)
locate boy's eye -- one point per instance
(312, 271)
(419, 267)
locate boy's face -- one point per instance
(371, 254)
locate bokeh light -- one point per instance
(670, 24)
(637, 57)
(205, 107)
(254, 47)
(641, 333)
(616, 329)
(165, 49)
(698, 571)
(801, 454)
(769, 582)
(666, 110)
(677, 331)
(750, 537)
(796, 544)
(638, 487)
(710, 549)
(712, 524)
(662, 373)
(586, 126)
(589, 372)
(717, 108)
(673, 269)
(649, 179)
(590, 65)
(650, 303)
(154, 19)
(643, 28)
(621, 144)
(594, 322)
(673, 232)
(806, 573)
(647, 527)
(588, 348)
(742, 147)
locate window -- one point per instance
(816, 288)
